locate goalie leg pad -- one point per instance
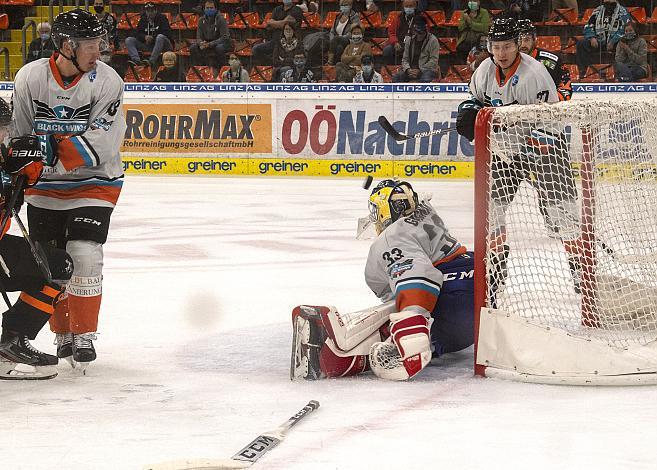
(349, 330)
(335, 363)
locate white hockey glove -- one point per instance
(407, 351)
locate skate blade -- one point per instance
(82, 367)
(71, 362)
(16, 371)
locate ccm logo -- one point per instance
(461, 275)
(86, 220)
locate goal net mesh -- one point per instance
(571, 227)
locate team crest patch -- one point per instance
(92, 76)
(514, 80)
(398, 269)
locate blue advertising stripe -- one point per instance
(353, 87)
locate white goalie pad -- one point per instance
(350, 329)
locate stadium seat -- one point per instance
(128, 21)
(245, 20)
(573, 70)
(652, 43)
(263, 25)
(638, 13)
(261, 73)
(585, 17)
(311, 21)
(549, 43)
(329, 19)
(328, 73)
(197, 73)
(387, 71)
(371, 19)
(391, 16)
(447, 45)
(221, 73)
(571, 45)
(454, 20)
(460, 73)
(562, 17)
(182, 47)
(599, 73)
(185, 21)
(138, 74)
(4, 21)
(245, 48)
(22, 3)
(377, 45)
(435, 19)
(653, 17)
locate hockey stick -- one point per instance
(246, 456)
(399, 137)
(37, 251)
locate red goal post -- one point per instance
(566, 196)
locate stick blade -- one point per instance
(198, 464)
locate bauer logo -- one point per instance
(195, 128)
(352, 129)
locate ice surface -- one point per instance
(193, 353)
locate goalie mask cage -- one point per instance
(566, 242)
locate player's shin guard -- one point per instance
(31, 311)
(85, 287)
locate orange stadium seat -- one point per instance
(185, 21)
(330, 19)
(435, 18)
(4, 21)
(129, 21)
(261, 73)
(391, 16)
(599, 73)
(573, 70)
(585, 17)
(244, 49)
(263, 25)
(371, 19)
(198, 73)
(387, 71)
(138, 74)
(454, 20)
(22, 3)
(638, 13)
(221, 73)
(458, 74)
(447, 45)
(653, 17)
(245, 20)
(651, 40)
(377, 45)
(571, 45)
(328, 73)
(562, 17)
(549, 43)
(311, 20)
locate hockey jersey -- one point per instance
(560, 75)
(526, 82)
(86, 116)
(402, 261)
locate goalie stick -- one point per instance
(245, 457)
(399, 137)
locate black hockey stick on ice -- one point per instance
(246, 456)
(399, 137)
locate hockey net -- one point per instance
(566, 242)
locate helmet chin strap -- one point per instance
(73, 59)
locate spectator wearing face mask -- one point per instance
(212, 38)
(108, 20)
(43, 46)
(236, 73)
(153, 34)
(170, 71)
(631, 62)
(350, 62)
(300, 73)
(286, 48)
(474, 22)
(287, 13)
(479, 53)
(341, 31)
(601, 33)
(367, 74)
(399, 29)
(420, 61)
(109, 59)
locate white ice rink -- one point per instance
(201, 275)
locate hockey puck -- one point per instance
(368, 182)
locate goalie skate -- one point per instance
(307, 340)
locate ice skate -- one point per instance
(19, 360)
(64, 342)
(83, 350)
(307, 341)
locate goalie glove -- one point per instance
(407, 351)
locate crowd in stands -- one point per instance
(369, 41)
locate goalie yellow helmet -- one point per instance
(390, 200)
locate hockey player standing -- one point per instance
(21, 164)
(426, 277)
(73, 103)
(551, 61)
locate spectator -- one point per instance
(602, 32)
(287, 13)
(284, 51)
(515, 10)
(346, 69)
(479, 53)
(300, 73)
(474, 22)
(367, 74)
(153, 34)
(420, 61)
(43, 46)
(399, 29)
(631, 62)
(308, 6)
(212, 38)
(340, 33)
(565, 4)
(236, 73)
(370, 6)
(108, 20)
(109, 59)
(170, 71)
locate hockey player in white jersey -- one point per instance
(423, 275)
(73, 103)
(511, 77)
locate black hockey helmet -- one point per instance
(390, 200)
(526, 26)
(76, 25)
(5, 113)
(503, 29)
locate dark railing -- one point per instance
(24, 45)
(51, 8)
(5, 52)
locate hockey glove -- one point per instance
(23, 157)
(465, 122)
